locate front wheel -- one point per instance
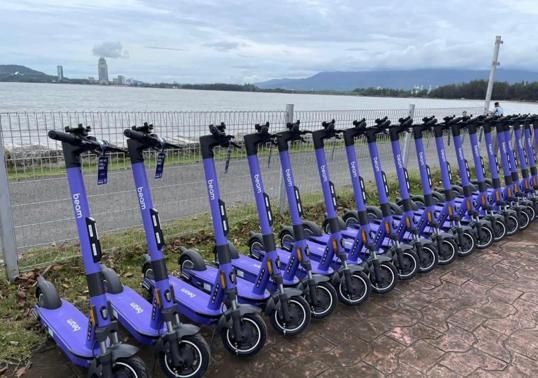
(499, 230)
(253, 334)
(358, 292)
(447, 252)
(298, 317)
(130, 367)
(523, 219)
(194, 353)
(467, 244)
(484, 237)
(326, 300)
(428, 259)
(384, 278)
(407, 265)
(512, 225)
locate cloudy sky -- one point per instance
(253, 40)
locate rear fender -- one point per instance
(194, 256)
(51, 300)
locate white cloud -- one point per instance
(213, 40)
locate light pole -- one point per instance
(494, 64)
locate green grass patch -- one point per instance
(20, 334)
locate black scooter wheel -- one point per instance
(253, 336)
(195, 353)
(326, 296)
(523, 219)
(512, 225)
(428, 259)
(299, 317)
(130, 367)
(499, 230)
(358, 293)
(484, 237)
(409, 267)
(530, 212)
(467, 245)
(447, 253)
(386, 278)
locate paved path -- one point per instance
(476, 317)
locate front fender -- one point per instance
(187, 330)
(225, 319)
(320, 278)
(122, 351)
(383, 258)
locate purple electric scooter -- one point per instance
(91, 342)
(180, 349)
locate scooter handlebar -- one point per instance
(64, 137)
(79, 137)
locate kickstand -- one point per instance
(212, 338)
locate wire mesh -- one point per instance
(39, 192)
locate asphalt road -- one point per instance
(43, 213)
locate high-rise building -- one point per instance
(60, 73)
(102, 70)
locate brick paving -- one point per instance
(476, 317)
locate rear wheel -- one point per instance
(287, 240)
(530, 212)
(358, 292)
(484, 237)
(252, 337)
(194, 353)
(326, 300)
(298, 319)
(350, 220)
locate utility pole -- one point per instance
(494, 64)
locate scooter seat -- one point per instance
(133, 311)
(192, 298)
(68, 326)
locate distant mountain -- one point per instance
(396, 79)
(13, 72)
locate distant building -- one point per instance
(60, 73)
(102, 70)
(121, 80)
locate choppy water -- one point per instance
(26, 97)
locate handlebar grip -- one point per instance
(133, 134)
(63, 137)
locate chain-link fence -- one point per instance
(40, 202)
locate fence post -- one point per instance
(7, 227)
(288, 118)
(407, 139)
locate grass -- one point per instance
(20, 334)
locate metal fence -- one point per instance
(40, 213)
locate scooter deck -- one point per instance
(192, 299)
(133, 312)
(285, 256)
(68, 326)
(253, 266)
(245, 289)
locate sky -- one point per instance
(206, 41)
